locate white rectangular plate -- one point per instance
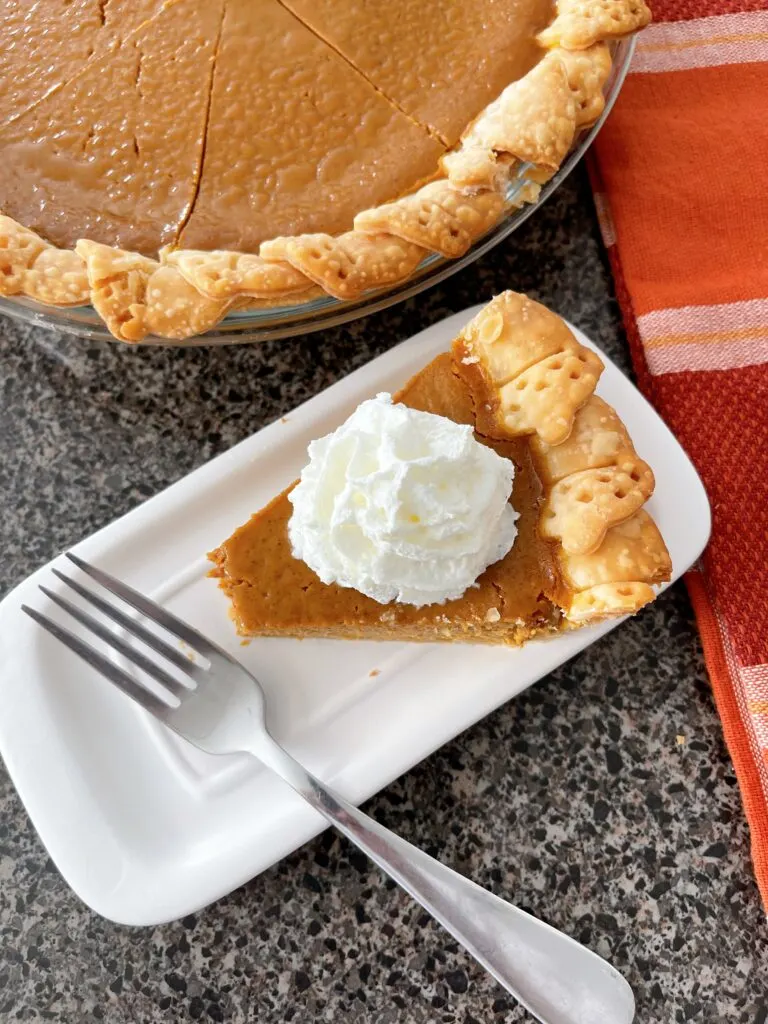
(145, 828)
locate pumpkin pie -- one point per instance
(586, 548)
(204, 155)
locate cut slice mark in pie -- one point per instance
(431, 52)
(126, 174)
(74, 34)
(298, 141)
(329, 42)
(206, 123)
(440, 63)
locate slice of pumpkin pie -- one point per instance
(494, 499)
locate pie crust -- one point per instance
(586, 550)
(528, 376)
(526, 130)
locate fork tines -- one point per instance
(171, 686)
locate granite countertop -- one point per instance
(602, 799)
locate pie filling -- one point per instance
(113, 154)
(45, 45)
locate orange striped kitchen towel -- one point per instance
(680, 174)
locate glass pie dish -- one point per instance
(325, 311)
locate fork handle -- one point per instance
(554, 977)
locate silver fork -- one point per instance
(220, 708)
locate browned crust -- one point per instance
(530, 377)
(533, 121)
(525, 370)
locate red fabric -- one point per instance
(687, 10)
(736, 737)
(721, 418)
(679, 174)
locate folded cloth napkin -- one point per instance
(680, 176)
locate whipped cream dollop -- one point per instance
(402, 505)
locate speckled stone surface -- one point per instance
(602, 799)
